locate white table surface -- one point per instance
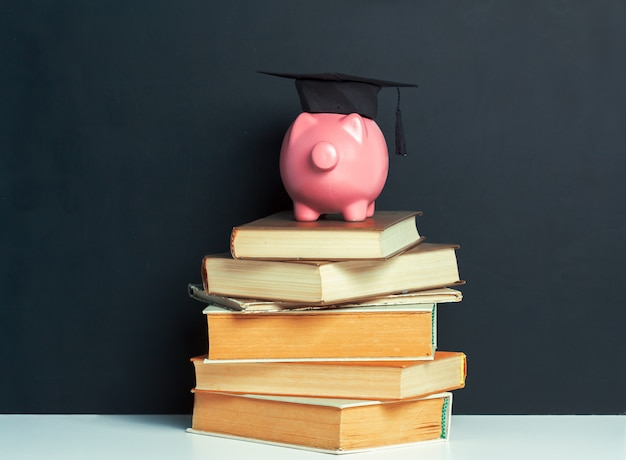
(121, 437)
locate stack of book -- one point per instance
(323, 335)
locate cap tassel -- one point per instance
(400, 143)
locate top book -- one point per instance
(280, 236)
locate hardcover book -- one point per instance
(426, 266)
(335, 379)
(280, 236)
(322, 424)
(401, 332)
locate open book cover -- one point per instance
(441, 295)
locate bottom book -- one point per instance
(322, 424)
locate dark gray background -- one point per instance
(134, 135)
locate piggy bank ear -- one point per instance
(353, 124)
(302, 124)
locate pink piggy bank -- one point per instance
(333, 163)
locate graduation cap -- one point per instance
(345, 94)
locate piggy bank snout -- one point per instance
(324, 156)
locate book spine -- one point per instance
(434, 327)
(446, 416)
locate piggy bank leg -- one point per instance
(304, 213)
(355, 212)
(370, 209)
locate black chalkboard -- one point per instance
(134, 135)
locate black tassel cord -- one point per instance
(400, 142)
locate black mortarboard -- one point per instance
(339, 93)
